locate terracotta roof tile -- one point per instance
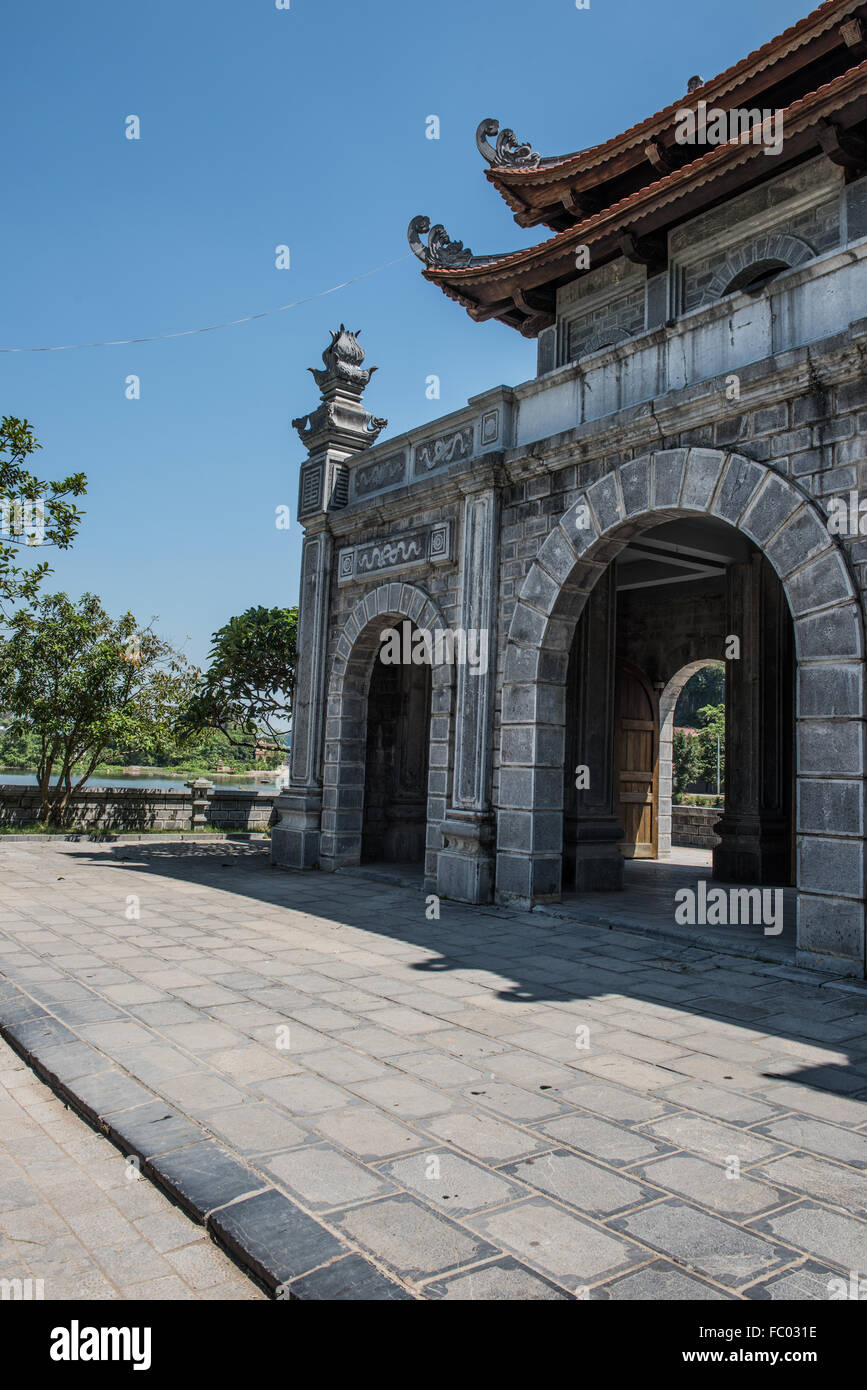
(761, 58)
(696, 173)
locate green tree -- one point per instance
(249, 686)
(685, 767)
(82, 681)
(33, 513)
(712, 722)
(707, 686)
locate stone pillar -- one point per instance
(755, 830)
(591, 829)
(334, 433)
(466, 863)
(295, 837)
(201, 792)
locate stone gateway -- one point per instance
(657, 498)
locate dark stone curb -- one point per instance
(290, 1254)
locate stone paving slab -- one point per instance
(493, 1105)
(79, 1223)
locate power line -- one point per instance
(213, 327)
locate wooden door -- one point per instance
(636, 763)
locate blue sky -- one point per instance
(262, 127)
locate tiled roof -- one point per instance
(554, 170)
(665, 190)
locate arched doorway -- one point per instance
(668, 699)
(394, 827)
(786, 526)
(367, 781)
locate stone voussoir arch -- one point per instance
(344, 753)
(775, 249)
(790, 528)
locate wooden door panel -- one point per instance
(636, 753)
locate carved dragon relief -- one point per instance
(440, 252)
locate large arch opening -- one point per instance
(676, 600)
(788, 587)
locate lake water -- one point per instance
(28, 779)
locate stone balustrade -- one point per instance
(148, 808)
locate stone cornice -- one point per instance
(829, 362)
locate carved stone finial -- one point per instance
(343, 358)
(340, 418)
(508, 151)
(440, 252)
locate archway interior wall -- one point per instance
(345, 748)
(790, 529)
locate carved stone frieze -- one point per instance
(445, 449)
(425, 545)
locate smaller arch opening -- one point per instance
(753, 278)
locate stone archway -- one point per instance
(788, 526)
(667, 705)
(343, 778)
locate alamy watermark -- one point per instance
(713, 125)
(449, 646)
(21, 1290)
(847, 516)
(22, 519)
(730, 907)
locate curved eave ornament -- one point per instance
(508, 153)
(440, 252)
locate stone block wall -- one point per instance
(693, 826)
(143, 808)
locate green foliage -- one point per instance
(712, 719)
(706, 687)
(695, 755)
(58, 518)
(250, 683)
(685, 761)
(76, 681)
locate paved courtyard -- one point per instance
(80, 1219)
(494, 1104)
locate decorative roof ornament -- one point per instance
(340, 419)
(508, 152)
(343, 358)
(440, 253)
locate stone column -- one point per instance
(465, 869)
(337, 430)
(591, 829)
(295, 837)
(755, 829)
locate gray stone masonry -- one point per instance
(144, 808)
(694, 826)
(751, 411)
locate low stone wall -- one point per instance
(147, 808)
(693, 826)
